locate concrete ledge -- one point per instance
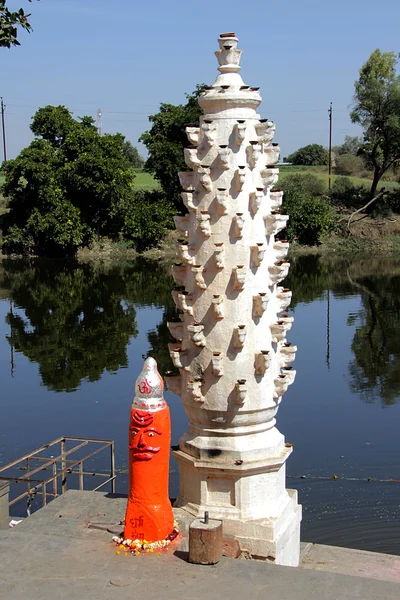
(54, 554)
(4, 508)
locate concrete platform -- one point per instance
(55, 554)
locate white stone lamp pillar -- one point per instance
(232, 353)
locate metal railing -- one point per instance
(61, 465)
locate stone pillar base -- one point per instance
(252, 501)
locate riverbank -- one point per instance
(64, 557)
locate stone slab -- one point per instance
(41, 559)
(347, 561)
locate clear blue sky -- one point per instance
(126, 57)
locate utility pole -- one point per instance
(330, 111)
(3, 126)
(99, 121)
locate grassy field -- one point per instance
(322, 173)
(145, 181)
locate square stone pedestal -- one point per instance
(250, 498)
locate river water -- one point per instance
(73, 339)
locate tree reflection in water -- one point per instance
(375, 370)
(77, 319)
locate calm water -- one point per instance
(73, 339)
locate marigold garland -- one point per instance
(138, 546)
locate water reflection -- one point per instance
(75, 320)
(375, 368)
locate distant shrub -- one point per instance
(313, 154)
(310, 215)
(308, 184)
(345, 194)
(310, 218)
(348, 164)
(147, 218)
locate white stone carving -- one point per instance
(275, 222)
(239, 273)
(186, 179)
(210, 131)
(262, 362)
(194, 391)
(258, 253)
(240, 177)
(287, 354)
(222, 201)
(173, 382)
(280, 328)
(254, 151)
(205, 224)
(238, 224)
(260, 304)
(193, 134)
(204, 177)
(191, 158)
(284, 297)
(256, 199)
(265, 130)
(198, 276)
(225, 156)
(281, 248)
(219, 254)
(241, 392)
(276, 197)
(176, 329)
(271, 153)
(187, 198)
(196, 331)
(178, 271)
(239, 336)
(217, 364)
(240, 131)
(181, 223)
(218, 306)
(231, 341)
(184, 252)
(269, 176)
(278, 271)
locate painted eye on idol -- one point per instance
(151, 434)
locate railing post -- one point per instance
(4, 500)
(63, 467)
(112, 468)
(81, 476)
(44, 497)
(55, 494)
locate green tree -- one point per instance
(165, 142)
(349, 164)
(132, 155)
(9, 23)
(310, 214)
(67, 187)
(351, 145)
(313, 154)
(377, 110)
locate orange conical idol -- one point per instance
(149, 513)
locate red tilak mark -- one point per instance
(142, 419)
